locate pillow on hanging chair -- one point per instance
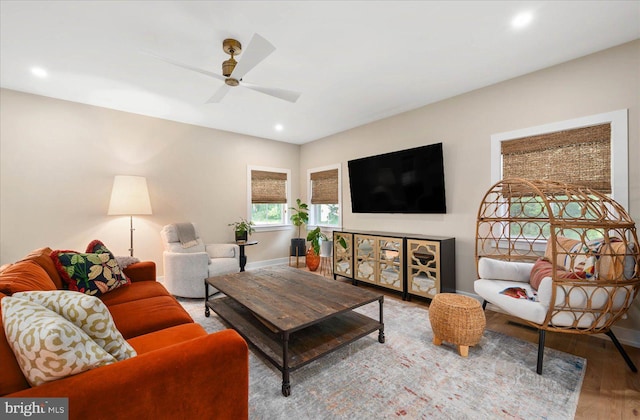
(544, 268)
(598, 259)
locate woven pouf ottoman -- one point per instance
(456, 319)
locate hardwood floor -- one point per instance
(609, 390)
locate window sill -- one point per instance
(324, 227)
(269, 228)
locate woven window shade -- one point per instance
(268, 187)
(580, 156)
(324, 187)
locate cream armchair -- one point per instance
(185, 269)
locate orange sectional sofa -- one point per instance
(180, 370)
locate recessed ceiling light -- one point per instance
(39, 72)
(521, 20)
(279, 127)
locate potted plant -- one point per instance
(299, 217)
(313, 255)
(243, 229)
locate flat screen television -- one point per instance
(407, 181)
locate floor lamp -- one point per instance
(129, 197)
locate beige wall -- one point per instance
(602, 82)
(58, 160)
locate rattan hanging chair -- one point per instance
(587, 241)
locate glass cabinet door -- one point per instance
(365, 257)
(342, 257)
(423, 278)
(389, 262)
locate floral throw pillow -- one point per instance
(94, 273)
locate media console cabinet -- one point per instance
(414, 265)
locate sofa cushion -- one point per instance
(46, 345)
(147, 315)
(94, 273)
(11, 379)
(89, 314)
(543, 268)
(167, 337)
(23, 276)
(135, 291)
(490, 290)
(42, 257)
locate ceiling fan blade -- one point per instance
(186, 66)
(287, 95)
(257, 50)
(219, 94)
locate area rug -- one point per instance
(408, 376)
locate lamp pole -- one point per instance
(132, 229)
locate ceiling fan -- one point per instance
(233, 71)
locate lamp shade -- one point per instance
(129, 196)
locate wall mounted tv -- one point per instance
(407, 181)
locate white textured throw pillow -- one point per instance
(46, 345)
(492, 269)
(87, 312)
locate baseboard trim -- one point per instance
(626, 336)
(266, 263)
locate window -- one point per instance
(579, 156)
(268, 195)
(567, 138)
(589, 151)
(325, 194)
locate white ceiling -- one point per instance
(354, 61)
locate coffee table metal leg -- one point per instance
(381, 331)
(286, 385)
(207, 312)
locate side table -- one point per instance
(243, 257)
(457, 319)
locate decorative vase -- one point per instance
(242, 237)
(312, 259)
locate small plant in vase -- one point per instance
(243, 229)
(313, 254)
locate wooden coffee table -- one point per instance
(291, 316)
